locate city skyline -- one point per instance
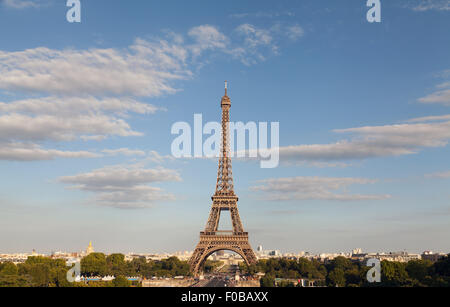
(260, 252)
(86, 112)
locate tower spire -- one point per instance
(224, 184)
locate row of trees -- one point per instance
(97, 264)
(47, 272)
(343, 272)
(35, 272)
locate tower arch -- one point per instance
(211, 251)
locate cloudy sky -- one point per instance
(86, 112)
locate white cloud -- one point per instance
(104, 179)
(295, 32)
(155, 157)
(31, 152)
(93, 137)
(256, 42)
(254, 36)
(81, 84)
(132, 197)
(372, 141)
(314, 188)
(262, 14)
(19, 127)
(124, 151)
(442, 93)
(404, 135)
(430, 118)
(124, 186)
(144, 69)
(429, 5)
(68, 118)
(207, 37)
(441, 175)
(67, 106)
(439, 97)
(443, 85)
(21, 4)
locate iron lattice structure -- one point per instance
(224, 199)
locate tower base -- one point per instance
(212, 242)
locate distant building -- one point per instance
(394, 256)
(266, 254)
(274, 253)
(433, 257)
(357, 251)
(220, 253)
(89, 249)
(357, 254)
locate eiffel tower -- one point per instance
(224, 199)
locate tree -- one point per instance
(59, 277)
(393, 273)
(9, 268)
(341, 263)
(41, 274)
(286, 284)
(353, 277)
(419, 269)
(292, 274)
(121, 281)
(267, 281)
(94, 264)
(311, 269)
(441, 272)
(211, 265)
(336, 278)
(15, 281)
(138, 266)
(116, 264)
(442, 266)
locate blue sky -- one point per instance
(86, 111)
